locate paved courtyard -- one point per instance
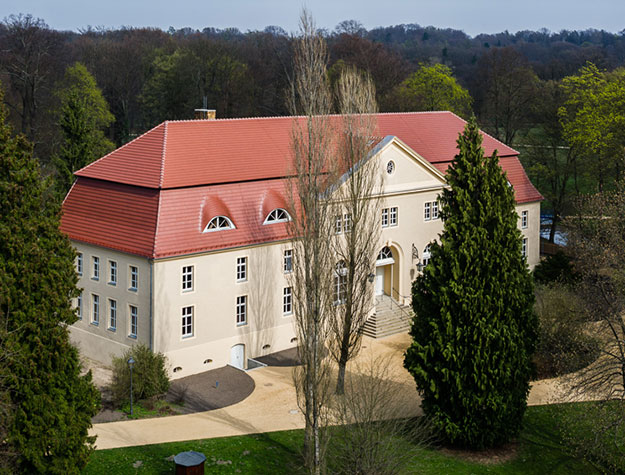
(272, 404)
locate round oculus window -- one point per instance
(390, 167)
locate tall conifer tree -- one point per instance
(474, 329)
(52, 403)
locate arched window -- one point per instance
(385, 255)
(278, 215)
(340, 283)
(426, 256)
(218, 223)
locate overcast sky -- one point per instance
(471, 16)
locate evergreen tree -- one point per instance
(474, 329)
(83, 117)
(52, 404)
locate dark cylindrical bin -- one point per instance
(190, 463)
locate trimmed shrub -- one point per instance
(564, 342)
(149, 376)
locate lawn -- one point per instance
(540, 450)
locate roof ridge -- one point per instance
(164, 146)
(119, 148)
(270, 117)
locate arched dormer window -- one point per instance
(218, 223)
(278, 215)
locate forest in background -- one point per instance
(538, 91)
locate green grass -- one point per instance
(145, 409)
(541, 450)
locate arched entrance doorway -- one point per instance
(387, 273)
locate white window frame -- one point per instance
(242, 269)
(524, 219)
(95, 309)
(287, 265)
(338, 224)
(187, 321)
(347, 222)
(96, 268)
(134, 278)
(427, 211)
(385, 217)
(393, 216)
(434, 210)
(241, 310)
(278, 215)
(187, 278)
(79, 263)
(340, 283)
(427, 255)
(112, 315)
(133, 321)
(287, 301)
(219, 223)
(79, 306)
(113, 272)
(524, 247)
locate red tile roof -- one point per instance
(204, 152)
(155, 195)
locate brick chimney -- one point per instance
(205, 114)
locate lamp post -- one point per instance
(131, 363)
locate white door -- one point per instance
(379, 280)
(237, 355)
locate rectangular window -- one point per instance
(427, 211)
(95, 315)
(385, 217)
(96, 268)
(288, 261)
(134, 278)
(338, 224)
(134, 315)
(79, 263)
(340, 287)
(392, 219)
(287, 301)
(112, 314)
(524, 247)
(79, 306)
(112, 272)
(241, 309)
(434, 209)
(347, 222)
(187, 278)
(524, 219)
(187, 322)
(241, 269)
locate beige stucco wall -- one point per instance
(213, 297)
(99, 341)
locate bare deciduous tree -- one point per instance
(312, 146)
(373, 431)
(356, 209)
(598, 240)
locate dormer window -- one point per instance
(218, 223)
(278, 215)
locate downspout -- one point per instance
(151, 261)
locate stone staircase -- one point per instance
(389, 318)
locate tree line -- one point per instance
(147, 75)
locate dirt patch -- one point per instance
(496, 456)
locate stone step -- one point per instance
(387, 321)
